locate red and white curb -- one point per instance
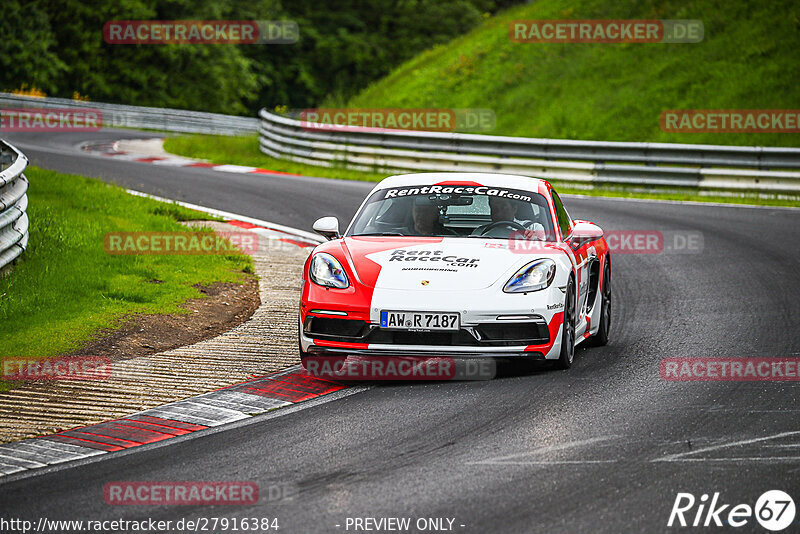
(226, 405)
(268, 229)
(220, 407)
(157, 156)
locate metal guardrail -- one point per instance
(13, 201)
(591, 162)
(772, 169)
(164, 119)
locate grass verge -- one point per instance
(243, 150)
(610, 92)
(66, 288)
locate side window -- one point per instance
(561, 213)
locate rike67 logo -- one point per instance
(774, 511)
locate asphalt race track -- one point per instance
(289, 200)
(603, 447)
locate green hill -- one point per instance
(749, 59)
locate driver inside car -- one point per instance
(507, 210)
(425, 219)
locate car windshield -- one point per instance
(454, 211)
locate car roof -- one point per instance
(483, 178)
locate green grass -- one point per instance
(611, 92)
(243, 150)
(66, 288)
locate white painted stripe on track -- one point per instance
(6, 469)
(48, 455)
(10, 473)
(245, 170)
(164, 158)
(683, 456)
(236, 217)
(244, 402)
(43, 456)
(169, 162)
(213, 409)
(22, 462)
(198, 414)
(238, 169)
(124, 157)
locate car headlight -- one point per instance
(534, 276)
(325, 270)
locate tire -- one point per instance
(567, 354)
(600, 338)
(304, 356)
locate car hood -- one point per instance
(437, 263)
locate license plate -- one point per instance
(419, 321)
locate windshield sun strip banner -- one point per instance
(398, 192)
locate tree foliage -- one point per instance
(58, 46)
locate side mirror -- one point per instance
(584, 232)
(327, 227)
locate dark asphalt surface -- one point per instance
(541, 451)
(290, 200)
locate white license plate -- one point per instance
(420, 321)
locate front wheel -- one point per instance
(567, 354)
(601, 337)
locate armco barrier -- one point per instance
(13, 201)
(594, 162)
(164, 119)
(766, 169)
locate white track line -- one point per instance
(20, 458)
(680, 457)
(512, 458)
(233, 216)
(14, 473)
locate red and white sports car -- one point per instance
(457, 264)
